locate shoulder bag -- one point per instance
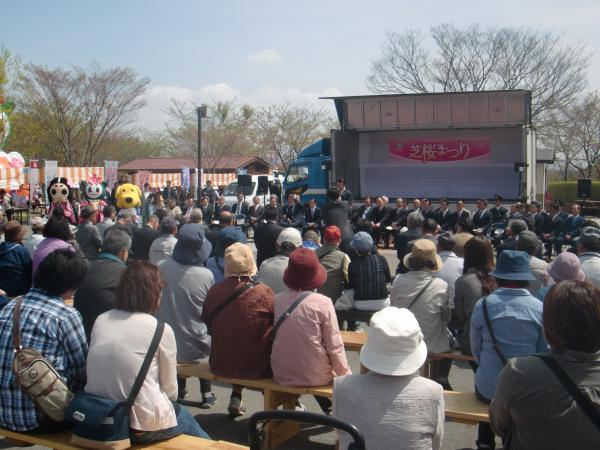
(219, 309)
(36, 376)
(102, 423)
(287, 313)
(582, 400)
(488, 323)
(419, 294)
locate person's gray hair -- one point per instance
(37, 224)
(115, 241)
(517, 226)
(126, 214)
(415, 220)
(196, 215)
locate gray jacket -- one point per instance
(181, 306)
(89, 240)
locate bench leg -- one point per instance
(277, 431)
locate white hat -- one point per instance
(291, 235)
(395, 344)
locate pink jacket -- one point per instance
(308, 349)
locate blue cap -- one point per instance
(192, 247)
(362, 242)
(513, 265)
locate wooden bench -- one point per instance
(62, 441)
(460, 407)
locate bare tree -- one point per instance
(475, 59)
(79, 109)
(284, 130)
(226, 132)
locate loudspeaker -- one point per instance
(263, 185)
(584, 188)
(244, 181)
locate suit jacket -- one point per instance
(265, 237)
(498, 214)
(346, 196)
(245, 209)
(445, 220)
(208, 212)
(292, 215)
(310, 217)
(170, 192)
(539, 222)
(337, 213)
(142, 240)
(482, 219)
(427, 213)
(363, 213)
(380, 215)
(401, 242)
(219, 209)
(398, 217)
(256, 212)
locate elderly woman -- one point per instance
(540, 400)
(306, 332)
(15, 262)
(120, 340)
(428, 299)
(57, 234)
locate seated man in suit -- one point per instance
(364, 211)
(443, 216)
(573, 226)
(208, 210)
(221, 206)
(274, 205)
(396, 220)
(379, 216)
(255, 212)
(482, 218)
(312, 216)
(241, 210)
(292, 214)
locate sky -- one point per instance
(261, 51)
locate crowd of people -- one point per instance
(458, 285)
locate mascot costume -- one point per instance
(60, 195)
(95, 195)
(128, 196)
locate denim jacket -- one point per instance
(516, 318)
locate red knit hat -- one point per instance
(332, 234)
(304, 272)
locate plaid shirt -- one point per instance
(53, 329)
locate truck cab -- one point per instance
(308, 175)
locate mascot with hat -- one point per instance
(95, 195)
(60, 195)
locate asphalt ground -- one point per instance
(219, 426)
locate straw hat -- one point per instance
(395, 344)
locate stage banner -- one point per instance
(110, 172)
(439, 150)
(33, 177)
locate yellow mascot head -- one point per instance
(128, 196)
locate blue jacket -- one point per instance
(573, 225)
(15, 269)
(516, 318)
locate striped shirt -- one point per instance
(53, 329)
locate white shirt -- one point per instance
(118, 345)
(450, 271)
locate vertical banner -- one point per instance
(185, 178)
(110, 173)
(33, 177)
(142, 177)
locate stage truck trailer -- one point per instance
(466, 145)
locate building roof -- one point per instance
(208, 162)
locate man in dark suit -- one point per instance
(312, 215)
(266, 235)
(498, 211)
(241, 208)
(414, 221)
(336, 212)
(379, 216)
(144, 237)
(426, 210)
(225, 220)
(208, 210)
(443, 216)
(292, 214)
(221, 206)
(364, 211)
(396, 220)
(345, 194)
(540, 218)
(482, 218)
(460, 215)
(169, 192)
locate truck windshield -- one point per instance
(232, 189)
(297, 172)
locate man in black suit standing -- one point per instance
(292, 214)
(337, 212)
(345, 194)
(461, 214)
(379, 216)
(482, 218)
(498, 211)
(208, 210)
(312, 215)
(265, 236)
(143, 239)
(414, 222)
(169, 192)
(426, 210)
(443, 216)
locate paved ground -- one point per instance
(218, 425)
